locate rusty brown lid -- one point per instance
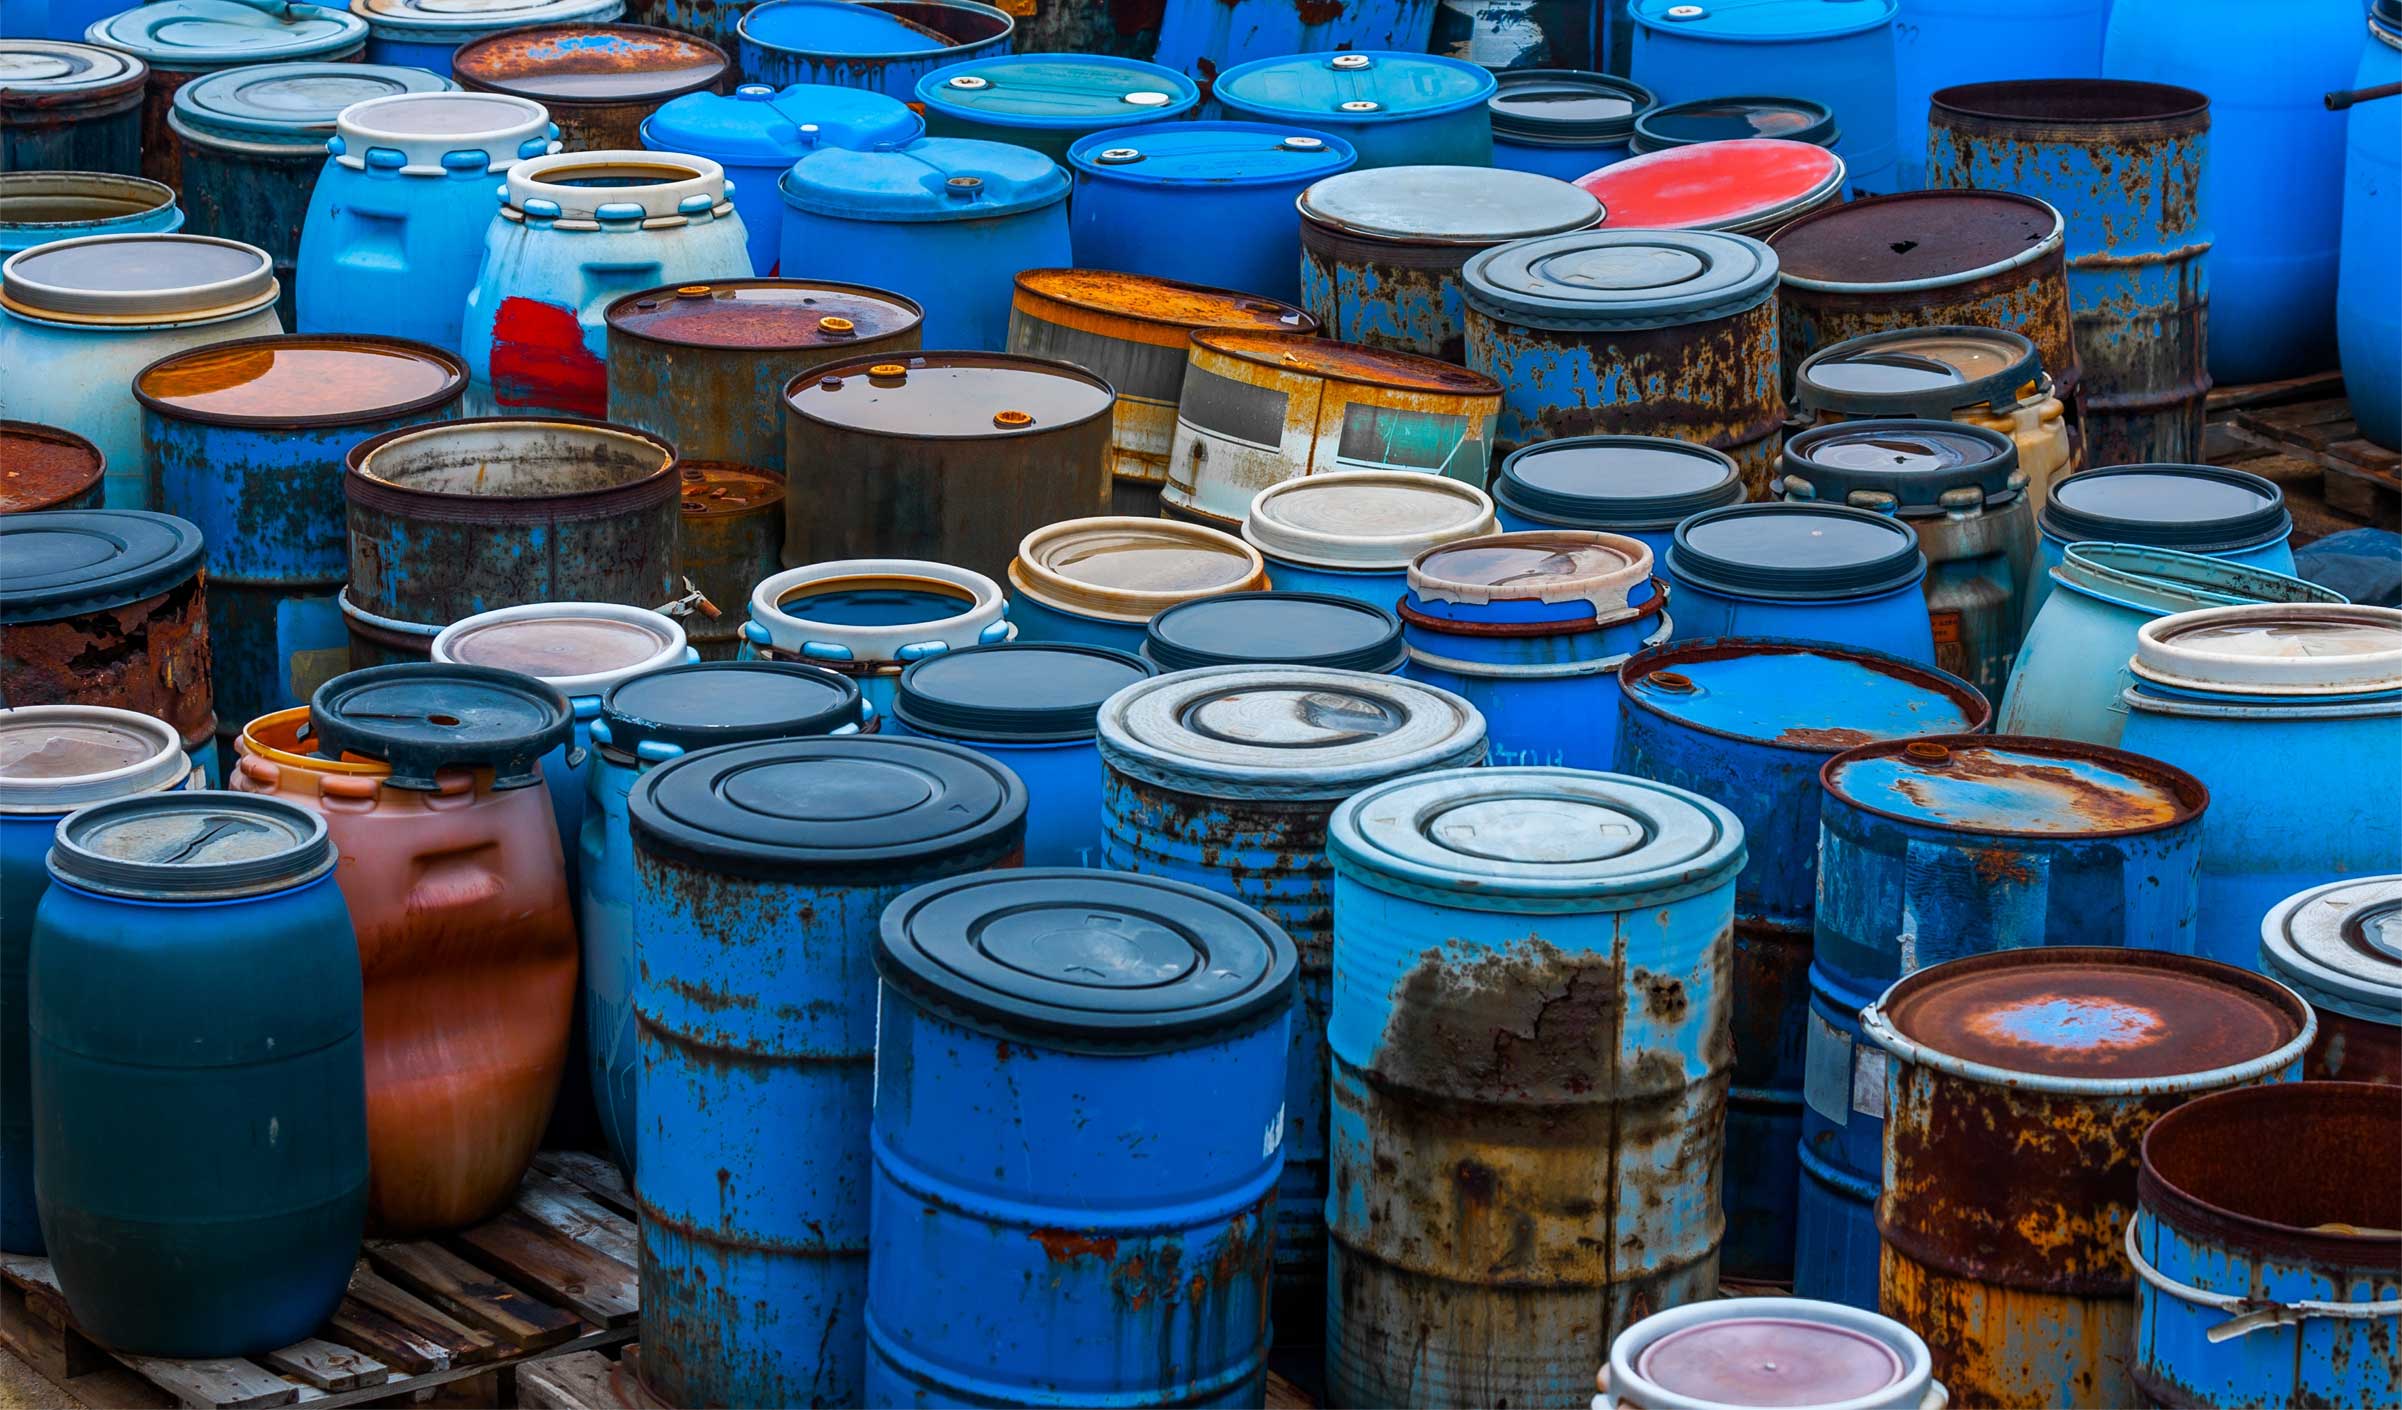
(949, 395)
(764, 314)
(1915, 238)
(717, 488)
(1350, 362)
(43, 467)
(2014, 787)
(301, 380)
(590, 63)
(1147, 299)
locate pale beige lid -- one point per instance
(1129, 569)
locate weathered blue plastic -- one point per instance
(884, 46)
(1894, 622)
(1395, 108)
(1548, 700)
(1564, 123)
(1638, 486)
(1040, 621)
(2368, 306)
(413, 33)
(1141, 191)
(2274, 558)
(1210, 38)
(1047, 102)
(132, 206)
(199, 36)
(1940, 43)
(1837, 52)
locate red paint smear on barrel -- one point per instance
(539, 360)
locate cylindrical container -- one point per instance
(759, 132)
(2368, 306)
(47, 468)
(1031, 706)
(1355, 534)
(1750, 721)
(1248, 34)
(1529, 1069)
(1396, 105)
(2016, 1092)
(1564, 123)
(759, 872)
(1744, 185)
(1633, 332)
(1522, 36)
(426, 33)
(183, 39)
(1101, 581)
(440, 516)
(2214, 510)
(2335, 945)
(2291, 715)
(1259, 409)
(109, 306)
(868, 618)
(1944, 46)
(1141, 191)
(1960, 489)
(1746, 1351)
(732, 540)
(704, 365)
(1381, 250)
(1319, 630)
(2268, 1268)
(1807, 572)
(106, 607)
(1133, 331)
(430, 779)
(2072, 672)
(246, 441)
(884, 46)
(54, 759)
(196, 1074)
(1046, 102)
(1925, 259)
(1639, 486)
(952, 456)
(947, 221)
(39, 207)
(1225, 777)
(70, 107)
(395, 228)
(1531, 629)
(1987, 377)
(574, 231)
(1839, 55)
(1059, 1014)
(1726, 119)
(253, 142)
(600, 82)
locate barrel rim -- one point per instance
(449, 361)
(1436, 377)
(1986, 103)
(1643, 611)
(2190, 794)
(2352, 993)
(2054, 245)
(1008, 29)
(1996, 478)
(81, 183)
(1998, 391)
(588, 685)
(625, 733)
(1317, 549)
(58, 796)
(57, 435)
(1318, 220)
(1533, 131)
(113, 92)
(1030, 571)
(1306, 322)
(1184, 95)
(2083, 572)
(2272, 522)
(1665, 512)
(1627, 1348)
(618, 329)
(2163, 1199)
(362, 487)
(308, 860)
(1971, 701)
(917, 359)
(476, 83)
(1819, 132)
(1379, 657)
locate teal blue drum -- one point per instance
(1395, 108)
(1808, 572)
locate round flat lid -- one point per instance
(715, 489)
(1447, 205)
(1082, 958)
(1276, 628)
(1796, 551)
(1732, 119)
(2341, 945)
(422, 717)
(2198, 508)
(1298, 732)
(297, 102)
(2162, 580)
(590, 63)
(1920, 372)
(1907, 465)
(1015, 692)
(67, 562)
(1623, 278)
(1132, 568)
(1916, 235)
(963, 395)
(1555, 834)
(1763, 21)
(57, 758)
(2016, 788)
(411, 16)
(855, 807)
(1617, 481)
(35, 69)
(1357, 87)
(764, 313)
(1817, 699)
(131, 277)
(1714, 185)
(44, 466)
(195, 846)
(1146, 298)
(1770, 1361)
(1213, 154)
(1596, 570)
(708, 703)
(472, 119)
(931, 179)
(579, 648)
(759, 125)
(1569, 107)
(1077, 91)
(1364, 520)
(187, 34)
(317, 380)
(838, 27)
(2287, 649)
(1349, 362)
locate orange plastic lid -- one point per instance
(1712, 185)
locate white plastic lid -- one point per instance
(1364, 520)
(580, 648)
(2340, 947)
(1286, 731)
(129, 280)
(57, 758)
(584, 185)
(427, 129)
(2290, 649)
(965, 609)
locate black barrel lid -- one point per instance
(864, 807)
(1796, 552)
(1902, 466)
(421, 717)
(1922, 372)
(708, 703)
(2196, 508)
(60, 562)
(1617, 482)
(1276, 629)
(1731, 119)
(1567, 106)
(1086, 959)
(1015, 692)
(196, 846)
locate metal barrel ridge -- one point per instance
(599, 81)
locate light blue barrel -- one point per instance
(1046, 102)
(1749, 722)
(2368, 305)
(2208, 509)
(1124, 1038)
(2292, 716)
(1140, 191)
(1225, 778)
(1210, 39)
(1099, 582)
(884, 46)
(1940, 44)
(38, 207)
(1841, 53)
(1354, 533)
(1565, 123)
(424, 33)
(1810, 572)
(760, 871)
(644, 722)
(1641, 487)
(868, 618)
(1395, 108)
(1529, 1055)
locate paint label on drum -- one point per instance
(1868, 1082)
(1827, 1070)
(1275, 1134)
(1951, 650)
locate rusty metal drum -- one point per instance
(733, 539)
(43, 467)
(70, 107)
(599, 81)
(2017, 1088)
(426, 33)
(1529, 1056)
(1987, 377)
(1741, 1351)
(1101, 581)
(2340, 947)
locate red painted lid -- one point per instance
(1770, 1361)
(1713, 185)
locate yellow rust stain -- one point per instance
(1138, 308)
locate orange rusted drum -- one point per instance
(44, 467)
(599, 81)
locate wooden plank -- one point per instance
(569, 1210)
(362, 1328)
(599, 1288)
(464, 1344)
(327, 1366)
(597, 1175)
(575, 1382)
(520, 1321)
(1284, 1395)
(2317, 384)
(411, 1389)
(230, 1384)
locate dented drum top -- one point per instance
(2014, 787)
(763, 314)
(45, 467)
(949, 395)
(1289, 732)
(56, 758)
(301, 380)
(1557, 575)
(1364, 520)
(1596, 280)
(1750, 185)
(1805, 696)
(68, 563)
(574, 64)
(1928, 238)
(1446, 205)
(1069, 296)
(2340, 947)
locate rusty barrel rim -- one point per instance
(1976, 711)
(477, 54)
(2278, 1129)
(935, 359)
(2186, 796)
(2052, 245)
(454, 366)
(2080, 109)
(361, 486)
(618, 314)
(1331, 360)
(1084, 290)
(77, 483)
(41, 75)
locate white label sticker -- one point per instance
(1274, 1136)
(1827, 1070)
(1868, 1082)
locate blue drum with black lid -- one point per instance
(1839, 54)
(1046, 102)
(1732, 119)
(2214, 510)
(1809, 572)
(1638, 486)
(1141, 191)
(1395, 108)
(1277, 629)
(1564, 123)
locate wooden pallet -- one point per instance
(2301, 433)
(551, 1276)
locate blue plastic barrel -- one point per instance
(1529, 1072)
(1564, 122)
(1277, 629)
(1141, 191)
(1395, 108)
(1638, 486)
(1749, 722)
(2213, 510)
(759, 873)
(59, 19)
(38, 207)
(884, 46)
(1732, 119)
(868, 618)
(1940, 44)
(1124, 1040)
(1840, 53)
(1354, 533)
(424, 33)
(1810, 572)
(1953, 845)
(1212, 38)
(2368, 306)
(1047, 102)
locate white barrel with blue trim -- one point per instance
(868, 618)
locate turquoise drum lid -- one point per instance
(1764, 21)
(1087, 959)
(1276, 628)
(1729, 119)
(760, 125)
(1213, 154)
(1075, 91)
(206, 34)
(1369, 86)
(1286, 731)
(1617, 483)
(57, 758)
(2197, 508)
(62, 563)
(1902, 466)
(1796, 552)
(2341, 946)
(1566, 107)
(39, 70)
(422, 717)
(856, 809)
(1447, 205)
(434, 20)
(1591, 840)
(263, 102)
(1609, 279)
(869, 30)
(1999, 786)
(1805, 696)
(1015, 692)
(930, 179)
(202, 845)
(707, 703)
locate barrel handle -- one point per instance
(693, 600)
(2345, 98)
(2251, 1313)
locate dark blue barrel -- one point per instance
(1947, 846)
(199, 1074)
(1733, 118)
(1141, 191)
(1276, 629)
(759, 873)
(1080, 1121)
(1564, 122)
(1638, 486)
(2207, 509)
(1396, 108)
(1212, 38)
(1748, 722)
(69, 107)
(426, 33)
(1811, 572)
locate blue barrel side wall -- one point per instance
(1564, 162)
(960, 270)
(385, 253)
(1203, 38)
(2368, 306)
(605, 917)
(1039, 621)
(24, 843)
(1547, 700)
(1895, 623)
(1144, 227)
(1376, 589)
(1063, 793)
(1853, 75)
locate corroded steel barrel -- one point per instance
(48, 468)
(598, 80)
(2122, 162)
(733, 541)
